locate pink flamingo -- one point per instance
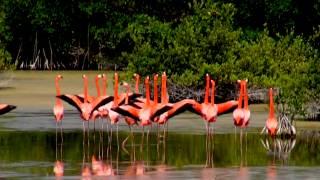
(85, 108)
(208, 111)
(241, 115)
(147, 112)
(238, 114)
(246, 111)
(4, 108)
(271, 123)
(58, 107)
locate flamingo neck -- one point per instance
(104, 89)
(58, 101)
(212, 92)
(245, 94)
(271, 108)
(162, 89)
(206, 95)
(155, 89)
(85, 89)
(97, 86)
(240, 96)
(116, 79)
(166, 98)
(147, 91)
(137, 83)
(127, 95)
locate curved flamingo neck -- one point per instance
(206, 95)
(240, 96)
(116, 79)
(271, 105)
(147, 91)
(137, 77)
(104, 83)
(212, 91)
(97, 85)
(155, 89)
(245, 94)
(85, 88)
(58, 101)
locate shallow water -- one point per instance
(28, 154)
(29, 145)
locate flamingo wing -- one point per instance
(180, 107)
(159, 109)
(227, 107)
(101, 100)
(127, 110)
(4, 108)
(73, 100)
(132, 96)
(195, 107)
(138, 105)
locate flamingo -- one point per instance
(147, 112)
(177, 107)
(271, 123)
(58, 107)
(246, 111)
(208, 111)
(4, 108)
(238, 114)
(85, 108)
(186, 104)
(96, 113)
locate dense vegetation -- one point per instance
(272, 43)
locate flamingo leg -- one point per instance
(61, 132)
(56, 140)
(118, 136)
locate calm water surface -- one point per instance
(30, 146)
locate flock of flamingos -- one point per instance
(144, 111)
(137, 110)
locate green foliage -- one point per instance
(207, 42)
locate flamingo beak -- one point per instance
(145, 122)
(238, 121)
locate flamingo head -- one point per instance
(156, 119)
(135, 75)
(85, 116)
(272, 125)
(212, 113)
(58, 168)
(104, 76)
(272, 131)
(114, 120)
(140, 169)
(145, 122)
(238, 116)
(99, 76)
(107, 170)
(59, 76)
(163, 118)
(86, 171)
(58, 117)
